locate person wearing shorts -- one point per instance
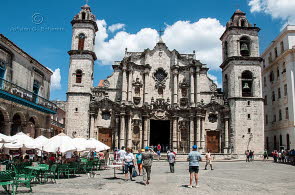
(128, 164)
(194, 157)
(139, 161)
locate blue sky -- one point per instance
(50, 46)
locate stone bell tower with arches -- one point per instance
(80, 78)
(241, 72)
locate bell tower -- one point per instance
(80, 78)
(241, 72)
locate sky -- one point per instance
(43, 29)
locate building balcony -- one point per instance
(57, 124)
(15, 93)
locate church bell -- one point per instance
(246, 86)
(244, 48)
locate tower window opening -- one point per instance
(81, 41)
(76, 109)
(243, 23)
(78, 76)
(83, 15)
(249, 103)
(245, 46)
(249, 130)
(249, 116)
(247, 81)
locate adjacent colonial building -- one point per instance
(161, 96)
(24, 92)
(58, 120)
(279, 91)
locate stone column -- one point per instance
(116, 136)
(174, 133)
(198, 136)
(122, 130)
(124, 85)
(7, 128)
(175, 86)
(198, 96)
(226, 135)
(92, 126)
(202, 134)
(129, 134)
(130, 86)
(192, 87)
(191, 132)
(146, 81)
(140, 136)
(145, 132)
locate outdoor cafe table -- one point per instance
(39, 169)
(114, 166)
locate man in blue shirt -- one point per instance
(194, 157)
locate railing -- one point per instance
(58, 124)
(25, 94)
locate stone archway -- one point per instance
(4, 121)
(16, 124)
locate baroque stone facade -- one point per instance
(160, 96)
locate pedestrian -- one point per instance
(265, 155)
(171, 160)
(194, 157)
(129, 164)
(250, 155)
(208, 160)
(139, 161)
(247, 153)
(107, 157)
(121, 155)
(159, 151)
(147, 161)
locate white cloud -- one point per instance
(278, 9)
(116, 27)
(215, 80)
(184, 36)
(55, 80)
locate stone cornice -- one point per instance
(241, 58)
(82, 52)
(239, 28)
(87, 22)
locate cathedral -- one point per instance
(160, 96)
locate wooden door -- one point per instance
(212, 141)
(105, 136)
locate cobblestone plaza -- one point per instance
(226, 178)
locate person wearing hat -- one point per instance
(139, 160)
(147, 161)
(194, 157)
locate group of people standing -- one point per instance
(249, 155)
(144, 160)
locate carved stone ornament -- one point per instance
(160, 76)
(106, 83)
(212, 117)
(213, 87)
(136, 100)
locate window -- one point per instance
(270, 58)
(245, 46)
(81, 41)
(282, 47)
(266, 119)
(225, 49)
(288, 141)
(284, 68)
(285, 90)
(274, 118)
(264, 81)
(2, 69)
(273, 96)
(249, 116)
(243, 23)
(280, 115)
(275, 142)
(281, 140)
(265, 100)
(83, 15)
(276, 52)
(271, 76)
(76, 109)
(287, 113)
(267, 144)
(247, 80)
(279, 93)
(106, 115)
(249, 130)
(249, 103)
(278, 72)
(78, 76)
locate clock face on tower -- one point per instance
(81, 36)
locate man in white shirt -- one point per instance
(122, 154)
